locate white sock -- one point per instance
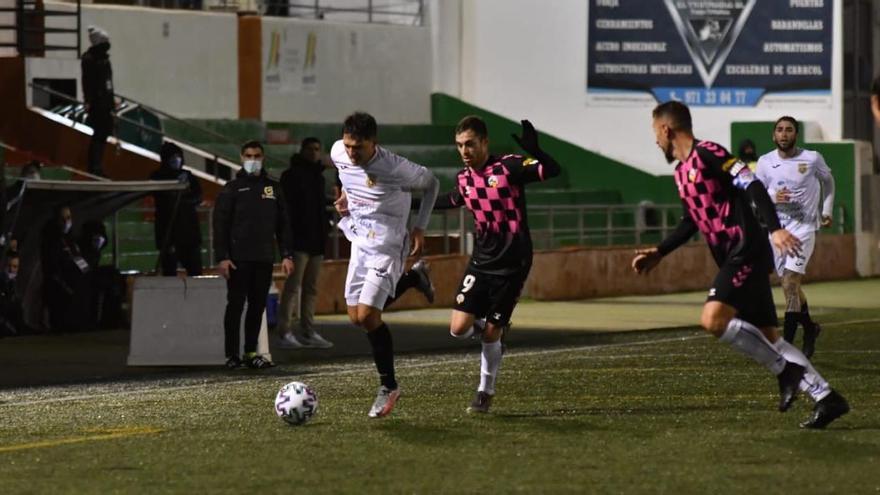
(812, 384)
(463, 336)
(490, 361)
(748, 340)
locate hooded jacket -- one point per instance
(303, 185)
(250, 215)
(186, 231)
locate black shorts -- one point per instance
(489, 295)
(745, 285)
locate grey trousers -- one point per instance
(300, 294)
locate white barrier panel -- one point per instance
(178, 321)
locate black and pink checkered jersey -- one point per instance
(496, 197)
(720, 210)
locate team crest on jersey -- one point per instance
(529, 161)
(492, 181)
(459, 299)
(802, 168)
(268, 192)
(692, 174)
(371, 180)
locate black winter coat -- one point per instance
(250, 215)
(186, 231)
(97, 79)
(303, 185)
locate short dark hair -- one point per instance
(307, 141)
(472, 123)
(360, 125)
(875, 86)
(677, 112)
(253, 143)
(787, 118)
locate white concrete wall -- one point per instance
(527, 58)
(381, 69)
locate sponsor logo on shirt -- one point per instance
(268, 192)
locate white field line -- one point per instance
(409, 364)
(413, 363)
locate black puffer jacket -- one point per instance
(250, 215)
(97, 78)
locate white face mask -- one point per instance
(67, 226)
(99, 242)
(252, 166)
(11, 275)
(175, 162)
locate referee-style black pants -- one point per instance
(249, 282)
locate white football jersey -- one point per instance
(808, 181)
(379, 197)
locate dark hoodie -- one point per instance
(303, 185)
(97, 78)
(250, 214)
(186, 231)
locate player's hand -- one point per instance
(782, 196)
(529, 139)
(827, 221)
(341, 205)
(225, 268)
(646, 259)
(418, 241)
(785, 242)
(287, 266)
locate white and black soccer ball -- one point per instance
(296, 403)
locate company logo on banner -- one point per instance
(291, 61)
(710, 53)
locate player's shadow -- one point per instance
(421, 434)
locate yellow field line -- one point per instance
(107, 435)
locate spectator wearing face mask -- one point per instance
(65, 290)
(250, 217)
(10, 302)
(178, 235)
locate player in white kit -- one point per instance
(375, 204)
(800, 183)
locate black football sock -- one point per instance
(407, 281)
(806, 321)
(383, 355)
(789, 328)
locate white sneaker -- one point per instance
(314, 339)
(289, 341)
(384, 403)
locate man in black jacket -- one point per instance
(97, 85)
(10, 301)
(250, 215)
(178, 235)
(303, 185)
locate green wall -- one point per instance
(582, 169)
(840, 156)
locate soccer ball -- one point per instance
(296, 403)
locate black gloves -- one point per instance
(529, 139)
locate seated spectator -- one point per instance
(10, 302)
(65, 286)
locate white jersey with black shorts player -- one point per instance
(379, 198)
(808, 181)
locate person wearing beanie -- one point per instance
(97, 85)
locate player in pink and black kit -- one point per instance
(493, 189)
(716, 189)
